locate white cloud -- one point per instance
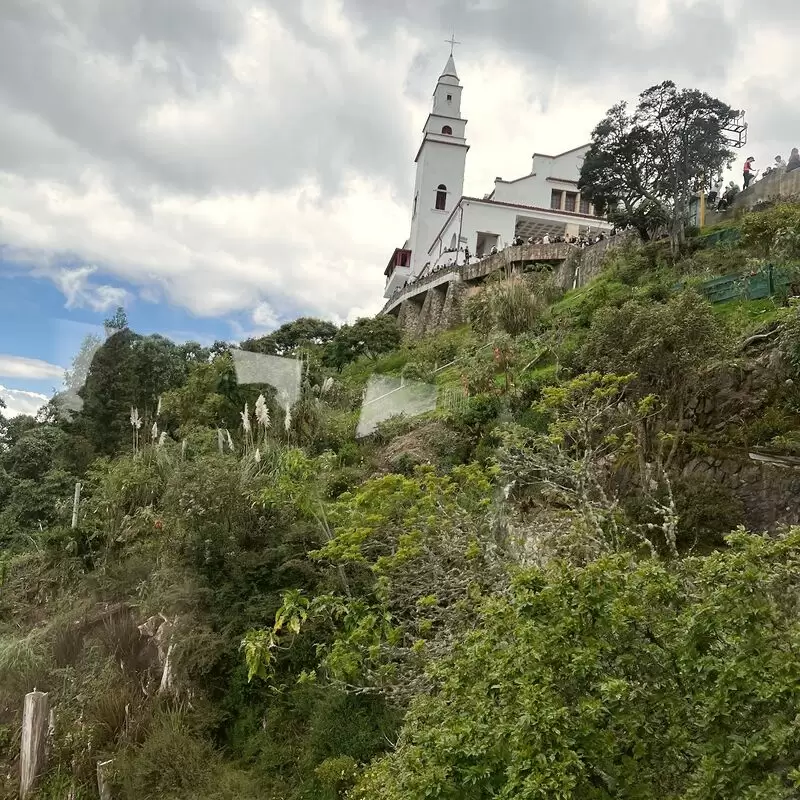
(21, 402)
(29, 368)
(243, 158)
(265, 317)
(80, 293)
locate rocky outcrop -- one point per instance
(767, 487)
(765, 481)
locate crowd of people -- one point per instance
(583, 240)
(721, 196)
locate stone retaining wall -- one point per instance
(778, 185)
(435, 302)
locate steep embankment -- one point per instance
(523, 591)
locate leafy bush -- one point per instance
(618, 679)
(406, 555)
(664, 344)
(476, 414)
(365, 337)
(707, 511)
(774, 231)
(579, 306)
(173, 761)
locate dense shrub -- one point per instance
(774, 231)
(617, 679)
(664, 344)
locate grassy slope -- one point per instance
(236, 750)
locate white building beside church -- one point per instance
(445, 224)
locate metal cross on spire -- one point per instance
(452, 42)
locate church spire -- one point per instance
(449, 70)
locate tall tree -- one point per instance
(118, 321)
(3, 423)
(643, 168)
(292, 336)
(128, 370)
(366, 336)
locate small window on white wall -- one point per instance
(441, 197)
(449, 98)
(447, 130)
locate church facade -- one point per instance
(447, 226)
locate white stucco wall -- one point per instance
(535, 189)
(567, 165)
(532, 190)
(477, 219)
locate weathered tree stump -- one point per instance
(33, 753)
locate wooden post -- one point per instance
(103, 789)
(76, 501)
(35, 719)
(702, 219)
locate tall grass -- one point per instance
(24, 664)
(517, 308)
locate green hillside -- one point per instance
(573, 578)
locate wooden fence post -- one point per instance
(103, 789)
(76, 501)
(35, 721)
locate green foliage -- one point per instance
(127, 371)
(773, 232)
(174, 760)
(395, 540)
(118, 321)
(301, 335)
(35, 452)
(357, 575)
(665, 344)
(476, 414)
(617, 679)
(707, 511)
(646, 166)
(579, 306)
(517, 309)
(790, 342)
(33, 503)
(369, 337)
(208, 398)
(513, 306)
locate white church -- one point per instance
(446, 225)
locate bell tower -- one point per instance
(440, 161)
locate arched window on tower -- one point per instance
(441, 197)
(447, 130)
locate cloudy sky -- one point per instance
(221, 166)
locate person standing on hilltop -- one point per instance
(749, 172)
(716, 190)
(794, 160)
